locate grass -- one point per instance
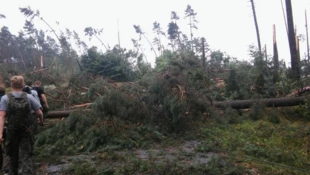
(272, 144)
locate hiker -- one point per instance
(2, 152)
(16, 108)
(29, 90)
(42, 97)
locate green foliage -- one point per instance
(274, 143)
(116, 64)
(126, 106)
(179, 92)
(239, 80)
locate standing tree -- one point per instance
(66, 50)
(256, 27)
(189, 13)
(157, 40)
(173, 30)
(275, 52)
(292, 41)
(89, 31)
(140, 32)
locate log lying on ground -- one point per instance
(267, 102)
(235, 104)
(61, 114)
(58, 114)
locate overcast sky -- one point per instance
(227, 25)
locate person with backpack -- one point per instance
(2, 153)
(41, 94)
(16, 107)
(29, 90)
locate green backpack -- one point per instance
(19, 112)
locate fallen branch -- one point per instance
(36, 71)
(80, 106)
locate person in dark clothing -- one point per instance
(2, 91)
(27, 88)
(42, 97)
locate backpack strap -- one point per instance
(10, 96)
(23, 95)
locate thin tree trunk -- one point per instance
(297, 44)
(118, 35)
(275, 50)
(256, 27)
(203, 53)
(292, 41)
(307, 35)
(150, 45)
(191, 30)
(284, 16)
(266, 56)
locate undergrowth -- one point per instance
(82, 132)
(275, 141)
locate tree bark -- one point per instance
(61, 114)
(292, 41)
(307, 35)
(275, 50)
(256, 27)
(203, 53)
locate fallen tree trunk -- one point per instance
(268, 102)
(58, 114)
(61, 114)
(235, 104)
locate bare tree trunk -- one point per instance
(256, 27)
(284, 16)
(118, 35)
(275, 50)
(297, 45)
(203, 53)
(266, 55)
(292, 41)
(307, 35)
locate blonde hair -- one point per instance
(17, 82)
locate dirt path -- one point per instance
(184, 153)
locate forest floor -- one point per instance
(184, 154)
(271, 142)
